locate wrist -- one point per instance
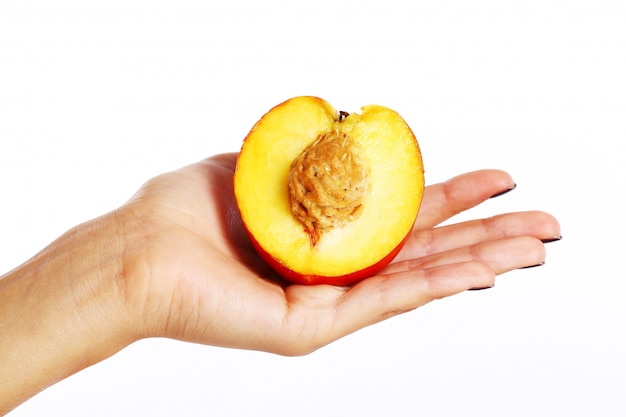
(63, 310)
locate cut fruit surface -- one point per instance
(328, 197)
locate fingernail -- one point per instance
(481, 288)
(552, 239)
(508, 190)
(532, 266)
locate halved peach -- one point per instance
(328, 197)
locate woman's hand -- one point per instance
(175, 262)
(193, 274)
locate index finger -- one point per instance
(444, 200)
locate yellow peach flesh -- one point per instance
(390, 206)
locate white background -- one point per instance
(97, 97)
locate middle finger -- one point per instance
(441, 239)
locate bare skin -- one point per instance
(175, 262)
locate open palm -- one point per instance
(193, 274)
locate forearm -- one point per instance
(62, 311)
